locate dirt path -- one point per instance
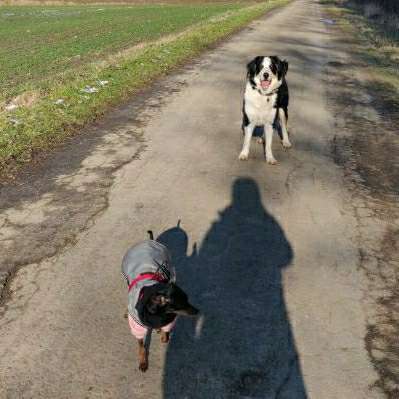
(276, 268)
(366, 145)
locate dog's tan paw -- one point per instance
(259, 140)
(243, 156)
(143, 367)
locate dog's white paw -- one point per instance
(286, 144)
(259, 140)
(271, 161)
(243, 156)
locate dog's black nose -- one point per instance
(265, 75)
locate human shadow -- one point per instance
(242, 345)
(176, 240)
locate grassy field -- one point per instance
(63, 66)
(119, 2)
(37, 42)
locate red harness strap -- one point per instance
(146, 276)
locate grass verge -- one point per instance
(80, 96)
(376, 42)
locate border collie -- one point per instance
(265, 103)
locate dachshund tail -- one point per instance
(151, 234)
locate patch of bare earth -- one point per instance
(366, 145)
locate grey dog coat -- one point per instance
(147, 257)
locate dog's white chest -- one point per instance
(259, 108)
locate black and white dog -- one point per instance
(265, 103)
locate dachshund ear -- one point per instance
(253, 66)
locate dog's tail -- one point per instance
(151, 234)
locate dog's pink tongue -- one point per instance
(265, 84)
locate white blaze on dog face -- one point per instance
(266, 73)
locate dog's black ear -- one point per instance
(189, 310)
(278, 67)
(253, 66)
(284, 67)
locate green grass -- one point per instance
(37, 42)
(42, 123)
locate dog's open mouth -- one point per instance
(265, 84)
